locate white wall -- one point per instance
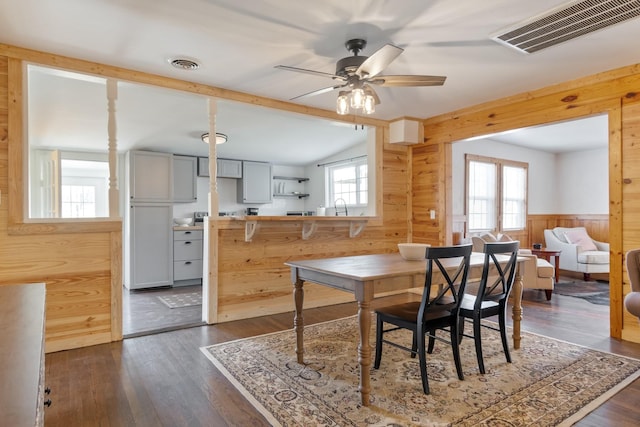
(568, 183)
(281, 205)
(541, 172)
(582, 182)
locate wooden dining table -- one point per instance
(368, 275)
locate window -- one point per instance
(496, 194)
(349, 182)
(78, 201)
(69, 185)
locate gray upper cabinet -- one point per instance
(203, 166)
(255, 185)
(150, 176)
(184, 179)
(227, 168)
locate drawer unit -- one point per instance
(187, 270)
(187, 257)
(184, 250)
(187, 235)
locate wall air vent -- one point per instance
(566, 22)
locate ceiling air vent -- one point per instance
(566, 22)
(184, 64)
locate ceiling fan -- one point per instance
(355, 75)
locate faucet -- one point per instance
(335, 205)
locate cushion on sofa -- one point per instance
(593, 257)
(488, 237)
(559, 233)
(579, 236)
(545, 269)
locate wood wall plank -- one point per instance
(597, 94)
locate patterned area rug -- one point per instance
(595, 292)
(549, 383)
(181, 300)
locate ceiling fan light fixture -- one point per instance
(369, 106)
(342, 103)
(221, 138)
(357, 98)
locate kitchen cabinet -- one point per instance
(148, 248)
(255, 185)
(228, 168)
(150, 176)
(203, 166)
(187, 257)
(225, 168)
(184, 179)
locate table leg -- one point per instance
(517, 308)
(557, 266)
(298, 320)
(364, 350)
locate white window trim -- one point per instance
(500, 163)
(329, 193)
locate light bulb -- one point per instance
(357, 98)
(369, 104)
(342, 103)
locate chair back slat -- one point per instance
(452, 285)
(498, 273)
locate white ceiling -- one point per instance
(238, 44)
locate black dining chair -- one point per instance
(498, 274)
(447, 269)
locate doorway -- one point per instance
(568, 182)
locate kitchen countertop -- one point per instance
(187, 227)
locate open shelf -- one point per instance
(298, 195)
(292, 178)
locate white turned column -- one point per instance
(112, 96)
(210, 255)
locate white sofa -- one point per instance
(536, 273)
(580, 252)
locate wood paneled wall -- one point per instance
(80, 261)
(75, 267)
(616, 92)
(252, 277)
(596, 225)
(630, 196)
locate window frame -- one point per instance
(329, 169)
(499, 164)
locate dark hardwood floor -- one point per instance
(164, 379)
(143, 312)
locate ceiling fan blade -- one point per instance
(411, 80)
(319, 91)
(377, 62)
(313, 72)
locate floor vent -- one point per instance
(566, 22)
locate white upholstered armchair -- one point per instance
(579, 251)
(536, 273)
